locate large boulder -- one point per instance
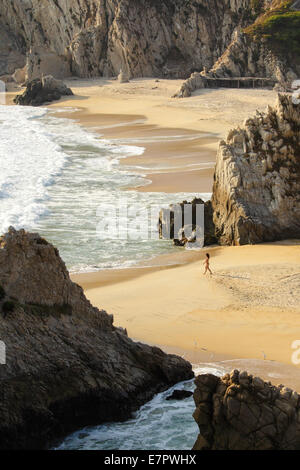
(256, 192)
(43, 90)
(242, 412)
(187, 232)
(67, 365)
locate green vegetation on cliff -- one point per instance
(280, 27)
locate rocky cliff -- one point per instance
(267, 48)
(66, 364)
(256, 192)
(242, 412)
(89, 38)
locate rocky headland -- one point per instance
(242, 412)
(67, 365)
(256, 191)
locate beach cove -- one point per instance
(249, 309)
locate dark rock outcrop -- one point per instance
(179, 395)
(185, 232)
(242, 412)
(67, 366)
(44, 90)
(256, 192)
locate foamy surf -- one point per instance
(54, 176)
(158, 425)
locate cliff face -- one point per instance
(67, 366)
(242, 412)
(256, 192)
(269, 47)
(92, 37)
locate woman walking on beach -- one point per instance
(206, 263)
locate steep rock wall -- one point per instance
(256, 192)
(242, 412)
(92, 37)
(66, 366)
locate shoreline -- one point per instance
(184, 312)
(169, 305)
(145, 111)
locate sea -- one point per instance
(66, 182)
(158, 425)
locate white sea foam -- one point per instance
(55, 174)
(158, 425)
(33, 152)
(29, 162)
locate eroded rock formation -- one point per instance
(242, 412)
(180, 223)
(256, 192)
(43, 90)
(66, 364)
(168, 38)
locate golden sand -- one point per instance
(248, 312)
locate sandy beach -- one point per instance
(180, 136)
(250, 308)
(247, 313)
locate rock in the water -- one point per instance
(180, 395)
(242, 412)
(256, 192)
(187, 231)
(40, 91)
(66, 364)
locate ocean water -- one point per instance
(57, 178)
(158, 425)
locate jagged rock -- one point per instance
(89, 38)
(67, 366)
(256, 192)
(188, 230)
(40, 91)
(180, 395)
(242, 412)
